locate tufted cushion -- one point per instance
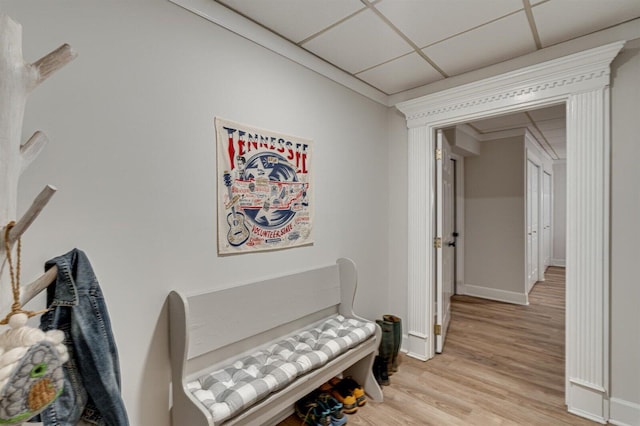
(229, 390)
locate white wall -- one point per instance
(398, 229)
(494, 190)
(133, 154)
(625, 237)
(559, 227)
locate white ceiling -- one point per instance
(397, 45)
(546, 125)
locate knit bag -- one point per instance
(31, 375)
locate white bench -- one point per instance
(208, 331)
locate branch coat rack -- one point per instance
(17, 80)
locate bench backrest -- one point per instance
(206, 323)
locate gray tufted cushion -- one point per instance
(229, 390)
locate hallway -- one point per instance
(502, 364)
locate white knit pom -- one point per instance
(5, 372)
(18, 320)
(32, 336)
(22, 336)
(13, 355)
(55, 336)
(8, 362)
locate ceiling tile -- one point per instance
(498, 41)
(361, 42)
(295, 20)
(401, 74)
(427, 22)
(586, 16)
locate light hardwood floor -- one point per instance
(502, 364)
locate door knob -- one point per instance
(451, 243)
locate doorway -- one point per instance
(582, 81)
(501, 222)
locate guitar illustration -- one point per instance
(238, 230)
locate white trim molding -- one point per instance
(581, 81)
(624, 413)
(494, 294)
(558, 262)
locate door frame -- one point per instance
(581, 81)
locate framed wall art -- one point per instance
(265, 190)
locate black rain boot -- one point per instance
(380, 371)
(385, 349)
(397, 340)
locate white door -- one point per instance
(445, 251)
(533, 205)
(546, 219)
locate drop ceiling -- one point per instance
(398, 45)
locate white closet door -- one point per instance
(546, 219)
(445, 251)
(533, 206)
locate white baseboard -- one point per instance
(624, 413)
(558, 262)
(493, 294)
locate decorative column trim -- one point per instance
(581, 82)
(420, 261)
(587, 327)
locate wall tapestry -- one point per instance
(265, 192)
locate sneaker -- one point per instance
(357, 390)
(346, 398)
(335, 409)
(311, 412)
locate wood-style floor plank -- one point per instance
(502, 364)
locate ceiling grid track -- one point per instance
(532, 23)
(405, 38)
(555, 155)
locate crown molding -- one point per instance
(581, 71)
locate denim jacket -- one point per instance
(92, 374)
